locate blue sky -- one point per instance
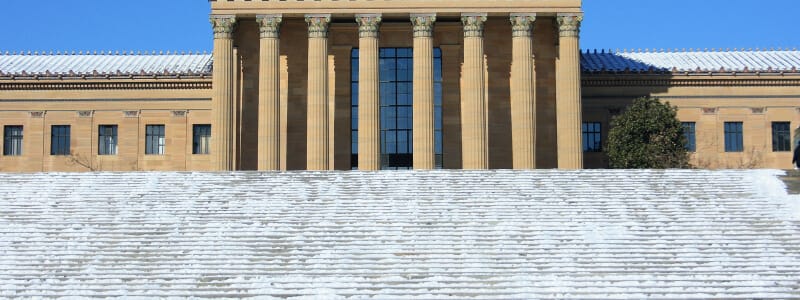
(183, 24)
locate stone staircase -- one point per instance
(400, 235)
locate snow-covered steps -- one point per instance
(400, 235)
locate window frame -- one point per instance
(13, 140)
(201, 139)
(690, 135)
(155, 139)
(60, 136)
(107, 139)
(782, 137)
(394, 159)
(596, 136)
(733, 136)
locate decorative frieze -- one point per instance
(85, 113)
(368, 25)
(758, 110)
(180, 113)
(269, 25)
(709, 110)
(223, 26)
(36, 114)
(423, 24)
(131, 113)
(592, 81)
(473, 24)
(569, 25)
(318, 25)
(522, 24)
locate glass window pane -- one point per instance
(354, 117)
(781, 137)
(396, 119)
(107, 140)
(734, 137)
(60, 140)
(591, 137)
(154, 139)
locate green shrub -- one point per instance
(647, 135)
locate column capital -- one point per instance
(423, 24)
(569, 25)
(368, 25)
(269, 25)
(318, 25)
(473, 24)
(223, 26)
(521, 24)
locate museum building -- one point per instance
(377, 85)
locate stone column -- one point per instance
(473, 98)
(369, 105)
(317, 131)
(568, 93)
(424, 114)
(523, 101)
(223, 93)
(269, 93)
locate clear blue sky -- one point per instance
(183, 24)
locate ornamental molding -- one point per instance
(180, 113)
(368, 25)
(38, 85)
(709, 110)
(269, 26)
(318, 25)
(758, 110)
(130, 113)
(666, 81)
(85, 113)
(473, 24)
(522, 24)
(223, 26)
(423, 24)
(569, 25)
(36, 114)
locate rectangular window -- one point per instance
(734, 141)
(59, 139)
(202, 139)
(396, 102)
(781, 137)
(691, 138)
(592, 137)
(107, 140)
(154, 139)
(12, 140)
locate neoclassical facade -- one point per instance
(383, 85)
(335, 62)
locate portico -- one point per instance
(302, 85)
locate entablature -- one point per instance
(341, 8)
(692, 79)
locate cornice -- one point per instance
(120, 84)
(638, 80)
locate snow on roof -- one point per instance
(400, 235)
(692, 61)
(147, 64)
(105, 63)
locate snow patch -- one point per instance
(769, 184)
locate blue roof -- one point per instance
(692, 61)
(105, 63)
